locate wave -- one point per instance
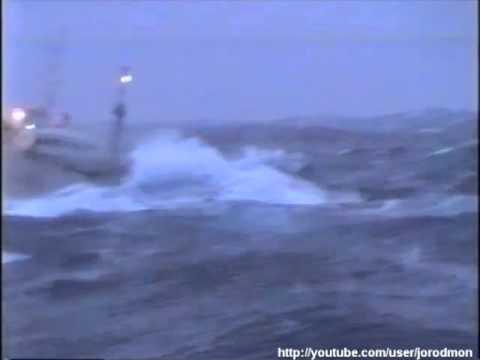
(172, 171)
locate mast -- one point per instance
(120, 109)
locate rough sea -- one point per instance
(229, 242)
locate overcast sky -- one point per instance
(245, 59)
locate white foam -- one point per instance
(248, 178)
(11, 257)
(429, 205)
(442, 151)
(170, 171)
(76, 197)
(345, 151)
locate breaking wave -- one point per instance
(170, 171)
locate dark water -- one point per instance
(237, 278)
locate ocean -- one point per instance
(231, 241)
